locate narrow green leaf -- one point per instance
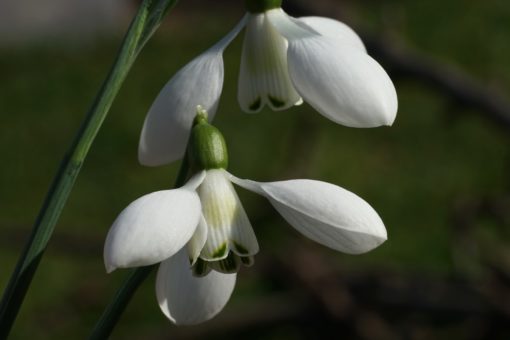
(144, 24)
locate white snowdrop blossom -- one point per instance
(284, 61)
(201, 234)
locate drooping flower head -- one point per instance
(284, 61)
(201, 233)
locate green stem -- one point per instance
(114, 310)
(143, 25)
(261, 6)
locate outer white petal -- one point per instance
(336, 30)
(228, 225)
(264, 76)
(167, 125)
(325, 213)
(340, 81)
(152, 228)
(189, 300)
(289, 27)
(344, 84)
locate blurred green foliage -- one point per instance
(413, 173)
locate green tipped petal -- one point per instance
(264, 77)
(229, 265)
(227, 222)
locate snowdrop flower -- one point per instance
(201, 234)
(284, 61)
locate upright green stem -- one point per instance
(114, 310)
(142, 27)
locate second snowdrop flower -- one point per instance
(201, 234)
(284, 61)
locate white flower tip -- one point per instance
(109, 263)
(369, 243)
(367, 229)
(109, 268)
(383, 236)
(382, 119)
(389, 123)
(107, 256)
(389, 113)
(386, 111)
(381, 240)
(187, 322)
(145, 159)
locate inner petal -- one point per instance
(197, 241)
(264, 76)
(228, 227)
(229, 265)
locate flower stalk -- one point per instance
(260, 6)
(144, 24)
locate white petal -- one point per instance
(325, 213)
(167, 125)
(343, 83)
(336, 30)
(289, 27)
(189, 300)
(152, 228)
(264, 77)
(166, 128)
(194, 182)
(228, 225)
(197, 241)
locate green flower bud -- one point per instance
(260, 6)
(207, 148)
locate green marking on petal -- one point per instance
(220, 252)
(227, 266)
(248, 261)
(256, 104)
(200, 268)
(277, 103)
(240, 249)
